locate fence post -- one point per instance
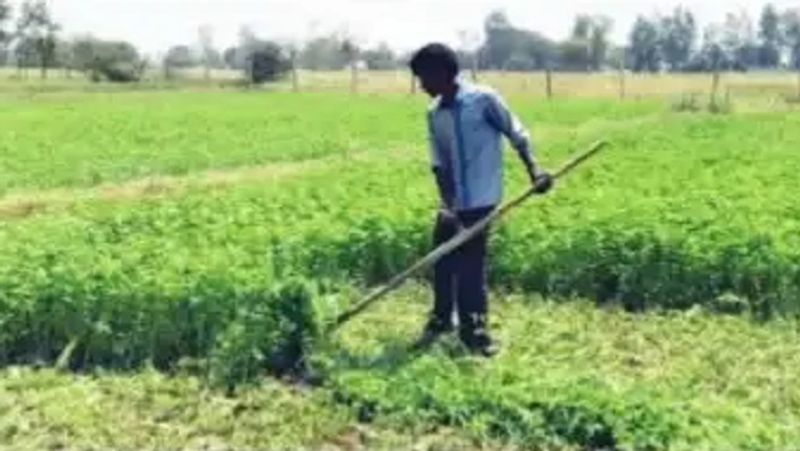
(622, 87)
(714, 86)
(295, 81)
(549, 82)
(798, 83)
(353, 76)
(413, 84)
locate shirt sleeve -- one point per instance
(502, 119)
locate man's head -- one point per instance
(436, 65)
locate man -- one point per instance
(466, 126)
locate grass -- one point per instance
(82, 140)
(85, 140)
(569, 376)
(160, 244)
(577, 376)
(162, 278)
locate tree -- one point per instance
(791, 27)
(267, 63)
(507, 47)
(231, 58)
(739, 41)
(324, 53)
(353, 51)
(469, 51)
(64, 56)
(500, 40)
(644, 46)
(261, 61)
(178, 57)
(712, 56)
(208, 54)
(5, 35)
(380, 58)
(598, 40)
(770, 37)
(573, 55)
(591, 33)
(582, 27)
(36, 34)
(618, 57)
(115, 61)
(677, 38)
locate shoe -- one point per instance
(478, 342)
(433, 330)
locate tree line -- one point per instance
(31, 38)
(658, 43)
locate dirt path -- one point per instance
(24, 204)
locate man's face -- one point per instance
(434, 81)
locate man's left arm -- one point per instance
(502, 119)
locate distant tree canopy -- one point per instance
(324, 53)
(792, 37)
(36, 36)
(380, 58)
(770, 36)
(180, 57)
(676, 38)
(260, 60)
(115, 61)
(657, 43)
(738, 43)
(509, 48)
(644, 53)
(671, 42)
(5, 34)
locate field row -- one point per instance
(692, 212)
(84, 140)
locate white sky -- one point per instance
(154, 25)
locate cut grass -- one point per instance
(576, 375)
(569, 376)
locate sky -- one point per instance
(154, 25)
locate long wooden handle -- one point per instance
(458, 240)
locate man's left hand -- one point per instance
(542, 181)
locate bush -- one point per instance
(272, 334)
(687, 103)
(267, 63)
(119, 73)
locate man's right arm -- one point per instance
(446, 188)
(444, 179)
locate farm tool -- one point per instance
(457, 241)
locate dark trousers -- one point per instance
(460, 277)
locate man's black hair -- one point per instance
(435, 56)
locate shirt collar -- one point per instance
(463, 88)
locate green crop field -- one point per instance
(167, 257)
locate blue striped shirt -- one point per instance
(466, 144)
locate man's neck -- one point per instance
(449, 96)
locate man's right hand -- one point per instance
(448, 216)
